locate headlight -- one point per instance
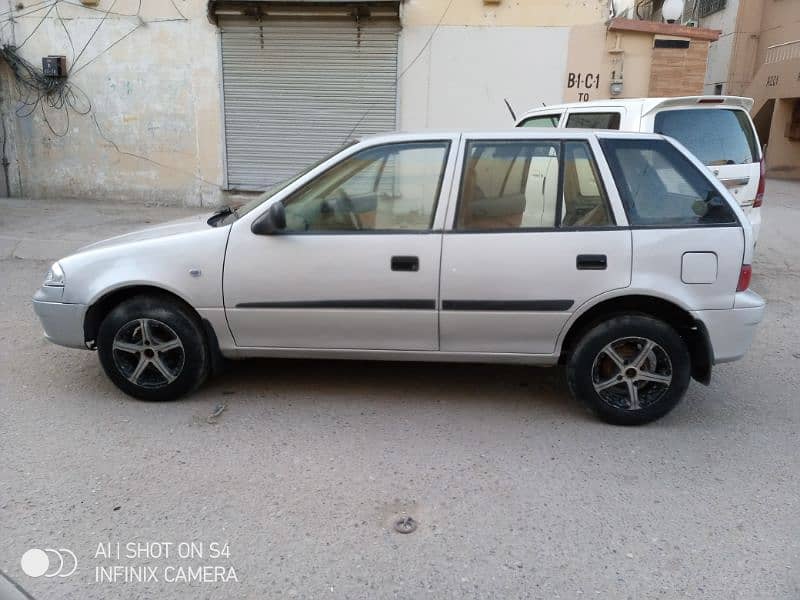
(55, 276)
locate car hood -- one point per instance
(178, 227)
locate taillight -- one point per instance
(744, 278)
(762, 185)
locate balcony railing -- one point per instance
(781, 52)
(709, 7)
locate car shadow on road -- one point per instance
(473, 386)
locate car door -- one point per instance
(689, 243)
(357, 264)
(533, 237)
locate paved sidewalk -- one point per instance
(50, 229)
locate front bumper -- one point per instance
(63, 323)
(731, 331)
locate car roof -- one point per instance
(650, 104)
(504, 134)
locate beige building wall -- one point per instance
(505, 13)
(629, 58)
(765, 65)
(598, 56)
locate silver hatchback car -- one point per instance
(618, 255)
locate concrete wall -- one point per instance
(155, 94)
(483, 53)
(719, 53)
(156, 98)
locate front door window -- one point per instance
(384, 188)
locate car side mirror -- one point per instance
(273, 221)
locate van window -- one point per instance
(717, 136)
(542, 121)
(659, 186)
(594, 120)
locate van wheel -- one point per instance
(153, 348)
(630, 370)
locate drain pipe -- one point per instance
(3, 156)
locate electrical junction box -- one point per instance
(54, 66)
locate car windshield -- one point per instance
(716, 136)
(274, 189)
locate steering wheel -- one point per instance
(347, 204)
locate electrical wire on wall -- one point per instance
(37, 92)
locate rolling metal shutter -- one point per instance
(297, 88)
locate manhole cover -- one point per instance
(405, 525)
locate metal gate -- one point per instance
(296, 88)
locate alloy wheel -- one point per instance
(631, 373)
(148, 353)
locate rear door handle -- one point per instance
(591, 262)
(405, 263)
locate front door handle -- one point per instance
(591, 262)
(405, 263)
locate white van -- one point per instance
(716, 129)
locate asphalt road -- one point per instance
(518, 492)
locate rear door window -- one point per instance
(532, 184)
(717, 136)
(660, 187)
(550, 120)
(593, 120)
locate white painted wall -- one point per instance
(459, 81)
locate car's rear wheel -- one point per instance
(630, 370)
(153, 348)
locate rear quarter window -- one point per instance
(593, 120)
(542, 121)
(717, 136)
(660, 187)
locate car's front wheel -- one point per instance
(153, 348)
(630, 370)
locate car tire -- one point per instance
(153, 348)
(630, 370)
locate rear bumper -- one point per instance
(731, 331)
(62, 323)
